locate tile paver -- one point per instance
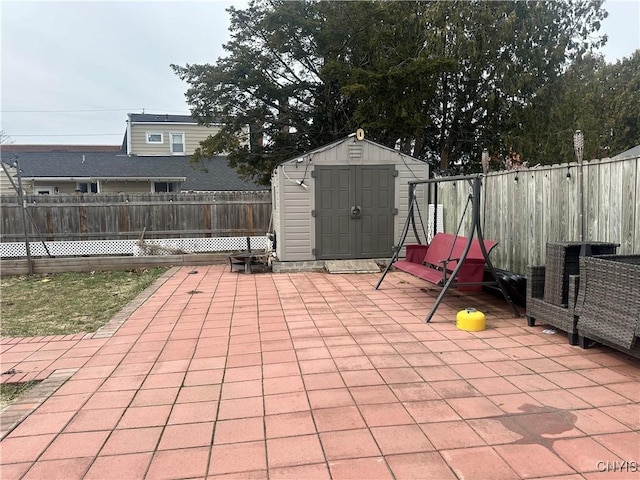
(65, 469)
(401, 439)
(148, 416)
(530, 461)
(167, 396)
(423, 465)
(286, 384)
(182, 463)
(311, 375)
(335, 397)
(360, 469)
(289, 424)
(478, 462)
(132, 440)
(75, 445)
(237, 457)
(239, 430)
(291, 451)
(318, 471)
(450, 435)
(87, 420)
(583, 453)
(131, 466)
(193, 412)
(349, 444)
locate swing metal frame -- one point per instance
(475, 230)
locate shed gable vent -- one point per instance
(355, 153)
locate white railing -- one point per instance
(168, 246)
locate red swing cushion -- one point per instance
(441, 258)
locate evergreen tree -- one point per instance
(439, 80)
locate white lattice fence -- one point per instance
(132, 247)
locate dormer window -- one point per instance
(154, 138)
(177, 143)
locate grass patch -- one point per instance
(11, 392)
(67, 303)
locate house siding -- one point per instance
(5, 184)
(106, 186)
(193, 135)
(124, 187)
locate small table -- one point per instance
(244, 260)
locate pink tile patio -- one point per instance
(214, 374)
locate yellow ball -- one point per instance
(470, 320)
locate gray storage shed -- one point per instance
(346, 200)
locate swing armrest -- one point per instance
(443, 263)
(470, 264)
(416, 252)
(470, 261)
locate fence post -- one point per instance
(23, 207)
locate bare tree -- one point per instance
(4, 138)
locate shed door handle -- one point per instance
(355, 211)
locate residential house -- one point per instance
(154, 157)
(5, 183)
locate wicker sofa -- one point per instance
(552, 289)
(608, 303)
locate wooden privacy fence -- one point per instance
(126, 216)
(521, 209)
(524, 209)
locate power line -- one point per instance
(68, 111)
(69, 135)
(128, 110)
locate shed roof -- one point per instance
(351, 138)
(631, 153)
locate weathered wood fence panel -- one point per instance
(524, 209)
(126, 216)
(521, 209)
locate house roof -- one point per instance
(114, 165)
(161, 117)
(59, 148)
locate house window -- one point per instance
(91, 187)
(177, 143)
(44, 190)
(154, 138)
(165, 187)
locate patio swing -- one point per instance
(446, 260)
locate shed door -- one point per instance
(354, 211)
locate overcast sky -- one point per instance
(71, 71)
